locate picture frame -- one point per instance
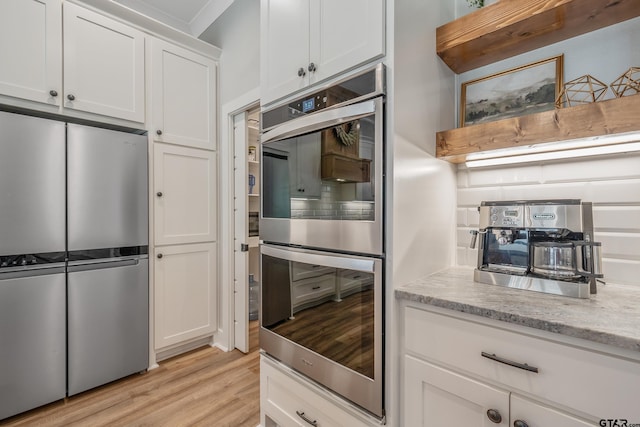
(530, 88)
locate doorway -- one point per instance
(246, 155)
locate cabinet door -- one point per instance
(284, 47)
(31, 50)
(304, 167)
(536, 415)
(185, 195)
(185, 293)
(434, 396)
(103, 65)
(344, 34)
(183, 96)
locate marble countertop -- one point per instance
(612, 316)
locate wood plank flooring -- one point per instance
(205, 387)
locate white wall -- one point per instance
(237, 33)
(421, 97)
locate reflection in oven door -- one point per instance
(326, 309)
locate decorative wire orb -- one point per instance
(583, 90)
(627, 84)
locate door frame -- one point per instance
(225, 335)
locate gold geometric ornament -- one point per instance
(628, 83)
(583, 90)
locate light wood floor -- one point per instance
(205, 387)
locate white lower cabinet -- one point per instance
(287, 400)
(185, 293)
(460, 372)
(438, 397)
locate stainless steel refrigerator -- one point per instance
(73, 259)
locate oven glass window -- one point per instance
(327, 174)
(327, 310)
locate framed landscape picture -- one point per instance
(531, 88)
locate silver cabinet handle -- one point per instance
(510, 362)
(301, 72)
(301, 414)
(494, 416)
(53, 93)
(312, 67)
(71, 97)
(520, 423)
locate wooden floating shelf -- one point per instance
(511, 27)
(615, 116)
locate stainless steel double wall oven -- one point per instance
(322, 226)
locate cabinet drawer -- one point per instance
(583, 380)
(283, 398)
(301, 270)
(313, 289)
(350, 281)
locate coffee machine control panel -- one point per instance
(501, 216)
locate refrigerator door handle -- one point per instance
(96, 264)
(17, 273)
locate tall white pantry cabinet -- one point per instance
(185, 182)
(96, 61)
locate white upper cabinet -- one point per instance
(183, 96)
(306, 41)
(31, 50)
(344, 34)
(103, 65)
(284, 47)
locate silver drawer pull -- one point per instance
(314, 423)
(510, 362)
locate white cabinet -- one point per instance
(185, 293)
(527, 413)
(286, 399)
(304, 167)
(185, 195)
(306, 41)
(31, 50)
(103, 65)
(548, 382)
(183, 96)
(438, 397)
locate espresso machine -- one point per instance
(538, 245)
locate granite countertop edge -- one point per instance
(421, 291)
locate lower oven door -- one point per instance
(321, 314)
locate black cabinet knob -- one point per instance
(494, 416)
(160, 256)
(301, 72)
(312, 67)
(159, 132)
(159, 194)
(71, 97)
(520, 423)
(53, 93)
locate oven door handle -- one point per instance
(321, 120)
(339, 261)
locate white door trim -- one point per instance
(224, 337)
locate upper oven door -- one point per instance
(322, 179)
